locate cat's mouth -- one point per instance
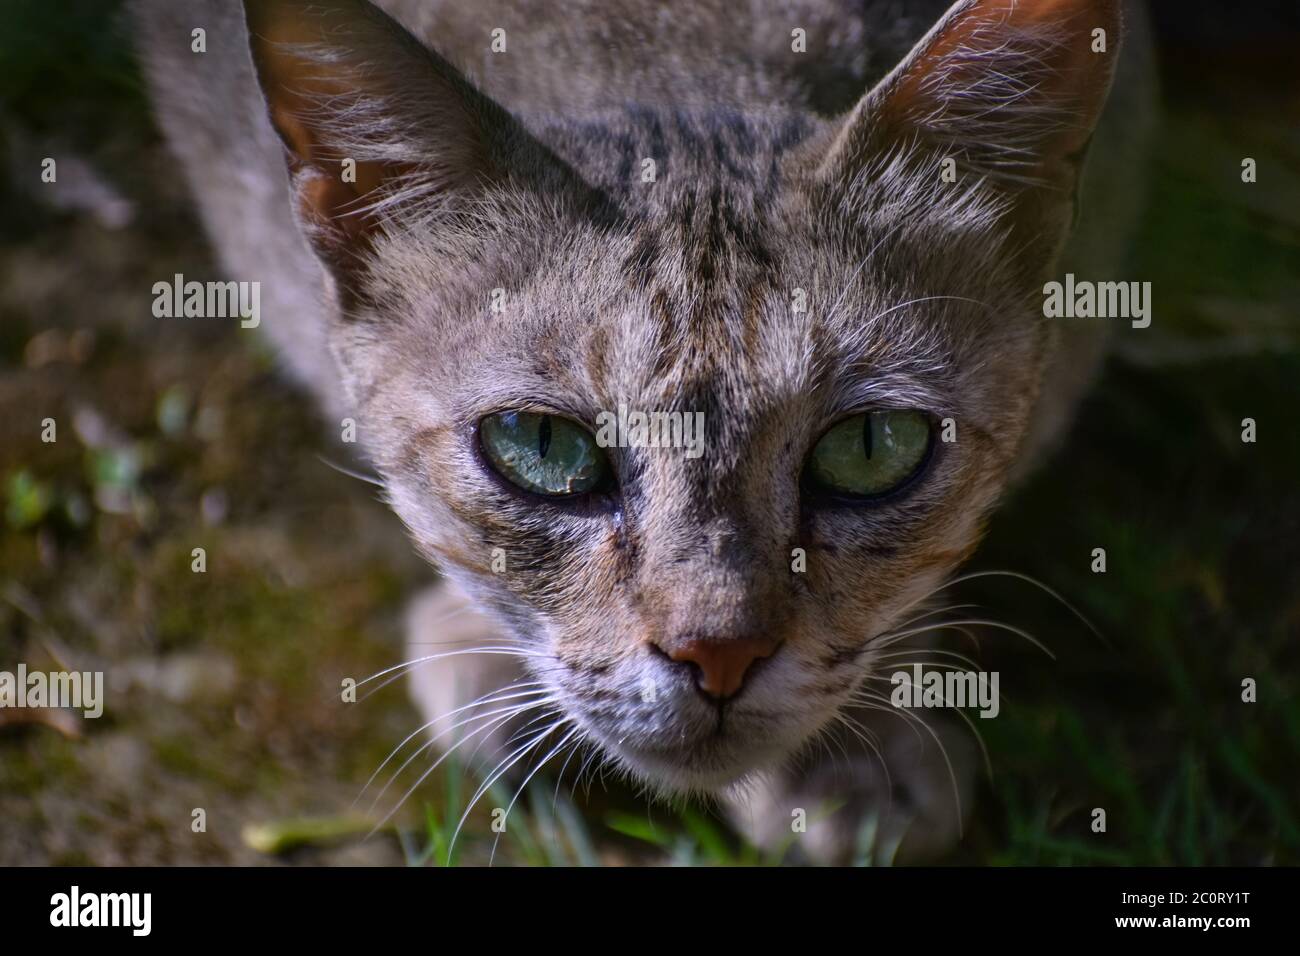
(688, 746)
(651, 718)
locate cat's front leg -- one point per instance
(842, 802)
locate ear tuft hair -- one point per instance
(1010, 90)
(373, 122)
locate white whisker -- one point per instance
(532, 773)
(497, 721)
(500, 770)
(492, 697)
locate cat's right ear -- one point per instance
(372, 121)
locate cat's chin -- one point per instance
(673, 779)
(703, 769)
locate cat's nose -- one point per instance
(721, 665)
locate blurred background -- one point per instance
(222, 687)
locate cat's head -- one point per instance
(852, 307)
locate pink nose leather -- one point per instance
(722, 664)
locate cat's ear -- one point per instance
(1009, 91)
(370, 118)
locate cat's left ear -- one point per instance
(1010, 91)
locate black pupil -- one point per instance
(544, 437)
(866, 434)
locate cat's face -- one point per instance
(779, 277)
(693, 306)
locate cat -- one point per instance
(822, 226)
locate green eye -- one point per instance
(870, 455)
(543, 454)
